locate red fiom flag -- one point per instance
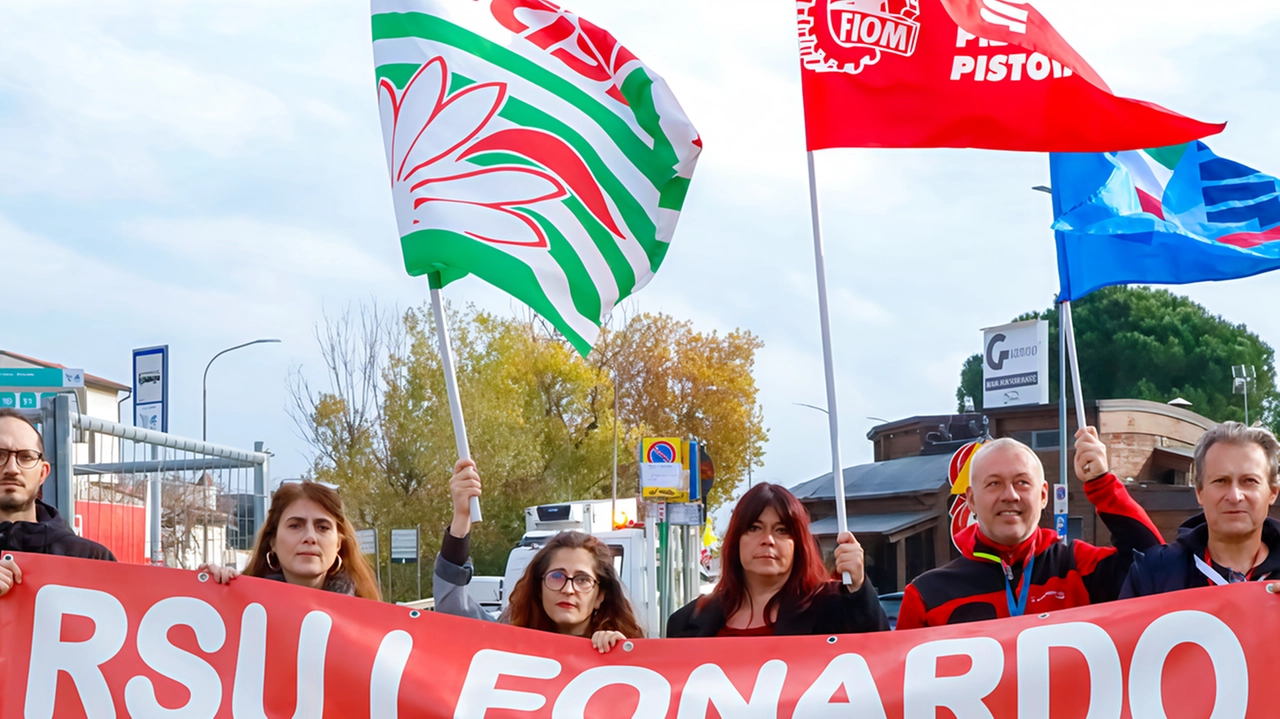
(990, 74)
(98, 640)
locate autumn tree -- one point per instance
(539, 417)
(1152, 344)
(678, 382)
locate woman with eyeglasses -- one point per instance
(308, 541)
(570, 586)
(773, 582)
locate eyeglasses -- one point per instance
(326, 485)
(556, 581)
(26, 458)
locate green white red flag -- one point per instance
(528, 147)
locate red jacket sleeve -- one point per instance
(1103, 569)
(1130, 526)
(911, 615)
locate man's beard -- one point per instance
(14, 503)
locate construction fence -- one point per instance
(152, 497)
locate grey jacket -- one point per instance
(452, 574)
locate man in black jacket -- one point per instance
(26, 523)
(1234, 540)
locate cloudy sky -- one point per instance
(200, 174)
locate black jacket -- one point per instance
(1171, 567)
(49, 535)
(340, 583)
(833, 611)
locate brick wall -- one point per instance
(1129, 454)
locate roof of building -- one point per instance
(874, 523)
(907, 475)
(1184, 452)
(89, 379)
(1158, 408)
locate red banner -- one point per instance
(903, 73)
(95, 639)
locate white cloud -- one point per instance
(282, 252)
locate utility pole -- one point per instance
(1241, 376)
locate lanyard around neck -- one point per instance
(1206, 568)
(1017, 605)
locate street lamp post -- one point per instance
(204, 402)
(204, 418)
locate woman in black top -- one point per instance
(773, 582)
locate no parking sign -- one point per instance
(662, 474)
(662, 451)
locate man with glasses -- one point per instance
(26, 523)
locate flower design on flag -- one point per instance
(431, 134)
(581, 45)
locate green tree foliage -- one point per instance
(1151, 344)
(540, 418)
(970, 383)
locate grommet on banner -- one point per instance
(1271, 588)
(414, 613)
(628, 646)
(203, 576)
(7, 557)
(831, 640)
(1044, 616)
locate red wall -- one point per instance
(122, 528)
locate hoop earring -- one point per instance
(333, 570)
(269, 564)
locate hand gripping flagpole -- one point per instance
(833, 418)
(451, 383)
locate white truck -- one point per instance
(635, 556)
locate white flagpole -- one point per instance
(833, 417)
(1075, 363)
(613, 507)
(451, 386)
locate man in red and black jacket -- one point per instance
(1012, 566)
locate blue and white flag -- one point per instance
(1171, 215)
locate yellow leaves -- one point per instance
(540, 418)
(676, 381)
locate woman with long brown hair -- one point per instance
(773, 582)
(570, 586)
(307, 540)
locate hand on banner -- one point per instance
(604, 640)
(219, 574)
(850, 560)
(1091, 455)
(9, 574)
(463, 485)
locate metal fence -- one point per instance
(151, 497)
